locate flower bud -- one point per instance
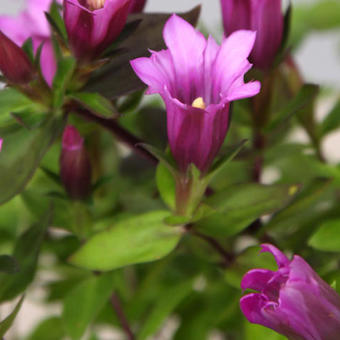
(1, 141)
(263, 16)
(93, 25)
(75, 166)
(14, 63)
(293, 300)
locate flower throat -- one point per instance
(95, 4)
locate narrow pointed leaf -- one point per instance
(6, 324)
(26, 252)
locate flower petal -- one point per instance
(251, 306)
(231, 62)
(281, 259)
(186, 46)
(256, 279)
(156, 71)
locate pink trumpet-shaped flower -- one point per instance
(1, 142)
(75, 165)
(197, 80)
(293, 301)
(92, 25)
(137, 6)
(263, 16)
(31, 22)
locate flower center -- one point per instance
(199, 103)
(95, 4)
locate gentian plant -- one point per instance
(145, 162)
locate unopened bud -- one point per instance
(14, 63)
(75, 165)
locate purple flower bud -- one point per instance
(263, 16)
(1, 141)
(197, 80)
(293, 301)
(137, 6)
(14, 63)
(32, 23)
(75, 166)
(93, 25)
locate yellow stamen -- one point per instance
(199, 103)
(95, 4)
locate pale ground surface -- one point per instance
(319, 60)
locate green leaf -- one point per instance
(256, 332)
(28, 48)
(8, 264)
(300, 204)
(84, 302)
(26, 252)
(95, 103)
(117, 78)
(131, 102)
(66, 67)
(6, 324)
(21, 154)
(55, 20)
(231, 152)
(305, 96)
(12, 101)
(331, 121)
(286, 32)
(43, 330)
(166, 185)
(327, 236)
(240, 205)
(138, 239)
(166, 159)
(167, 301)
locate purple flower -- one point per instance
(293, 301)
(14, 63)
(75, 166)
(32, 23)
(197, 80)
(1, 142)
(93, 25)
(137, 6)
(263, 16)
